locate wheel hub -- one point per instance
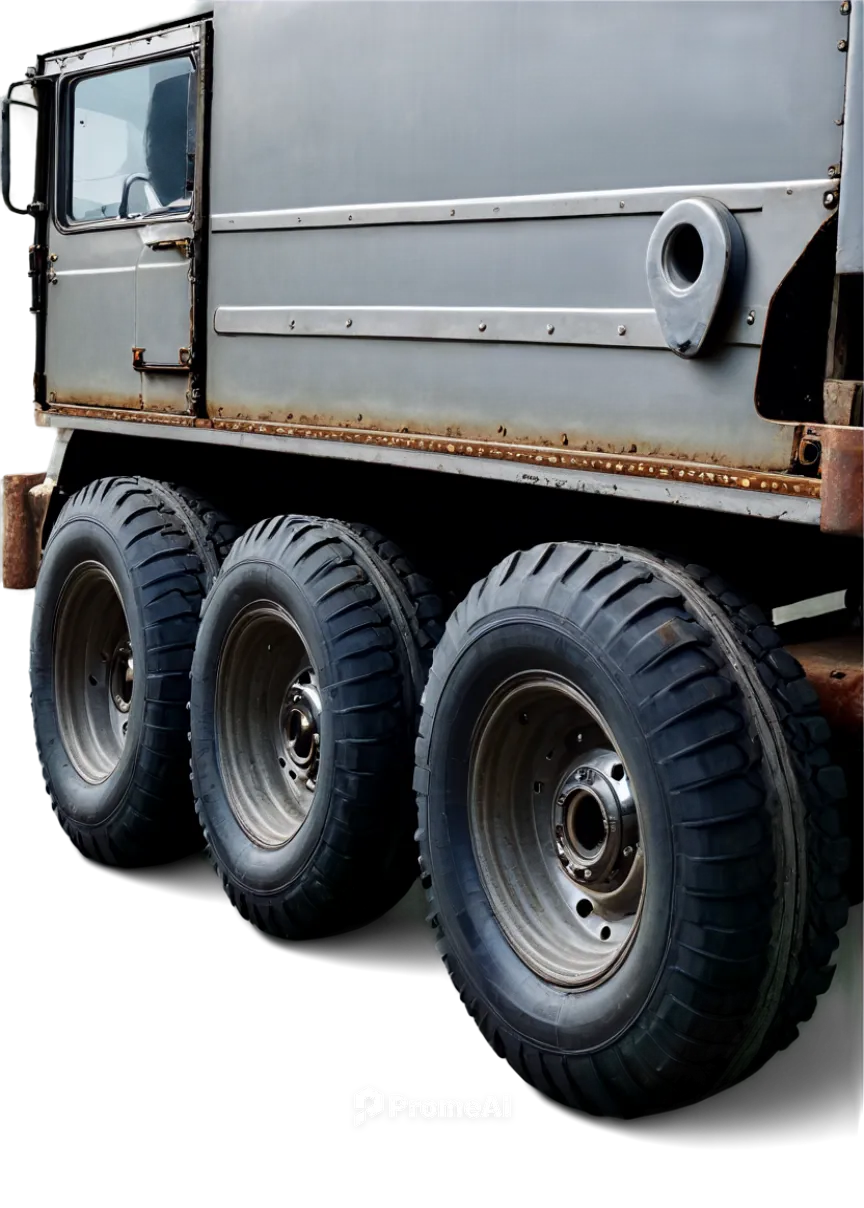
(301, 729)
(594, 822)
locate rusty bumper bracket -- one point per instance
(842, 469)
(834, 668)
(25, 504)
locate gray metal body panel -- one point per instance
(850, 233)
(91, 317)
(118, 284)
(427, 163)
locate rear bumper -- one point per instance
(25, 504)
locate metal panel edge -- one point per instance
(794, 509)
(619, 202)
(506, 325)
(850, 233)
(111, 53)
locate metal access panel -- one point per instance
(433, 218)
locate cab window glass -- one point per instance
(133, 142)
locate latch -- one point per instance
(184, 357)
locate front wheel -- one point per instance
(628, 829)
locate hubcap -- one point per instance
(268, 724)
(555, 828)
(93, 671)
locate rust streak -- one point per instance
(658, 468)
(113, 414)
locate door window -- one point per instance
(132, 142)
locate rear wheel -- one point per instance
(115, 617)
(628, 827)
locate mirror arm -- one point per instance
(35, 207)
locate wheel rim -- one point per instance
(555, 830)
(268, 724)
(93, 671)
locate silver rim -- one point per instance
(555, 828)
(268, 724)
(93, 671)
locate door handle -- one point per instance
(141, 366)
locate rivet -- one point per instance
(829, 199)
(350, 217)
(622, 330)
(348, 322)
(789, 192)
(481, 326)
(620, 205)
(842, 44)
(452, 213)
(751, 318)
(550, 327)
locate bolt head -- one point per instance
(481, 326)
(622, 330)
(829, 199)
(550, 327)
(348, 322)
(587, 874)
(627, 852)
(842, 44)
(751, 318)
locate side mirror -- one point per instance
(20, 112)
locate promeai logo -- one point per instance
(369, 1101)
(411, 1107)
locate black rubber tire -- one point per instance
(354, 856)
(419, 615)
(162, 545)
(721, 733)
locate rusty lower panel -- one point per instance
(842, 467)
(833, 666)
(25, 503)
(115, 413)
(659, 468)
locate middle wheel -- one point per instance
(305, 684)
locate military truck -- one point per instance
(453, 405)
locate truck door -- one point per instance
(124, 242)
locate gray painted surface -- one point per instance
(367, 120)
(347, 103)
(850, 235)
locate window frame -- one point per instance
(63, 160)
